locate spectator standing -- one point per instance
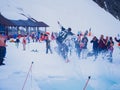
(24, 43)
(17, 42)
(95, 46)
(83, 46)
(48, 46)
(110, 48)
(2, 49)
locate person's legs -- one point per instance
(2, 55)
(46, 50)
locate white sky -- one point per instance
(77, 14)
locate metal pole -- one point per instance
(86, 83)
(27, 76)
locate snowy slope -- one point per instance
(78, 14)
(10, 10)
(49, 71)
(45, 72)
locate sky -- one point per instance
(80, 15)
(50, 71)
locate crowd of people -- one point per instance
(100, 46)
(67, 43)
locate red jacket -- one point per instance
(2, 41)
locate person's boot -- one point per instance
(1, 61)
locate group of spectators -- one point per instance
(101, 46)
(104, 46)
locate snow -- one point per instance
(49, 71)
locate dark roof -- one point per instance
(30, 22)
(4, 21)
(42, 24)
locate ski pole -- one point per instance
(27, 75)
(86, 83)
(59, 24)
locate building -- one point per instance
(21, 27)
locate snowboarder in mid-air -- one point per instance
(61, 38)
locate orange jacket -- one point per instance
(2, 41)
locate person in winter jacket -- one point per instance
(2, 49)
(48, 46)
(24, 43)
(77, 46)
(17, 42)
(85, 42)
(28, 38)
(64, 52)
(83, 46)
(110, 48)
(69, 31)
(102, 44)
(95, 46)
(52, 36)
(106, 43)
(117, 40)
